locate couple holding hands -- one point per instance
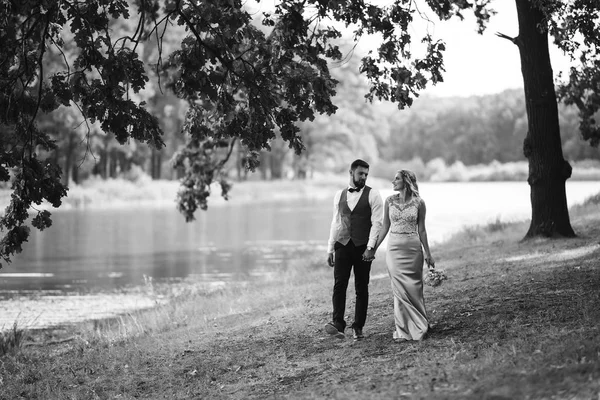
(360, 223)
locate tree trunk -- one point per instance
(156, 163)
(276, 164)
(263, 167)
(548, 170)
(238, 161)
(111, 161)
(69, 155)
(66, 178)
(75, 174)
(104, 157)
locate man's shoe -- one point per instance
(358, 334)
(333, 331)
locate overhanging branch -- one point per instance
(231, 145)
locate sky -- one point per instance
(483, 64)
(475, 64)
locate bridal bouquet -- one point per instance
(435, 277)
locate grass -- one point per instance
(11, 340)
(515, 320)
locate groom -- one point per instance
(357, 220)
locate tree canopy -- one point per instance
(245, 81)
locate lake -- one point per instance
(100, 251)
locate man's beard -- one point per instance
(359, 184)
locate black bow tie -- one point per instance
(352, 190)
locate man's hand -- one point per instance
(368, 255)
(330, 259)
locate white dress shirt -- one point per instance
(352, 199)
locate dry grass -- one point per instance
(11, 340)
(515, 320)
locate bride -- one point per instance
(404, 218)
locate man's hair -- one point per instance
(359, 163)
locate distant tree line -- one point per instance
(473, 130)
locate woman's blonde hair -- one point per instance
(410, 182)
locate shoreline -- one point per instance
(38, 311)
(123, 194)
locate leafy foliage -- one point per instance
(98, 83)
(575, 27)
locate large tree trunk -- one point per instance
(548, 170)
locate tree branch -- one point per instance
(64, 56)
(227, 63)
(228, 155)
(137, 35)
(503, 36)
(41, 85)
(87, 138)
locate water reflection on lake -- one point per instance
(95, 250)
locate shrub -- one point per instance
(135, 174)
(386, 169)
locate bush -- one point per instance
(135, 174)
(437, 170)
(457, 172)
(387, 169)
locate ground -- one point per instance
(514, 320)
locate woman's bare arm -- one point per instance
(423, 232)
(386, 223)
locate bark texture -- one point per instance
(548, 170)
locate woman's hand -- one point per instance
(430, 262)
(369, 255)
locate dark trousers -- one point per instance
(347, 257)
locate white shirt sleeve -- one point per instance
(376, 216)
(335, 222)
